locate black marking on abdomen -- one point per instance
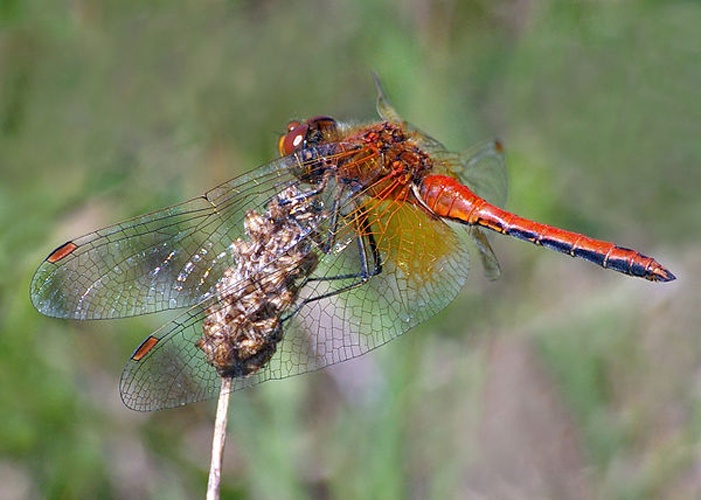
(590, 255)
(523, 234)
(626, 266)
(557, 245)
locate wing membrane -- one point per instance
(325, 326)
(168, 259)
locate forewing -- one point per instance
(483, 169)
(167, 259)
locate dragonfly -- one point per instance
(354, 235)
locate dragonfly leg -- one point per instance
(368, 253)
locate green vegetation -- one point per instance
(559, 378)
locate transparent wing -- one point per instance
(345, 309)
(167, 259)
(483, 169)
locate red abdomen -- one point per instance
(447, 198)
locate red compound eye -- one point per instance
(294, 138)
(312, 132)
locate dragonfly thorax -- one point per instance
(387, 164)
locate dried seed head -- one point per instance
(241, 332)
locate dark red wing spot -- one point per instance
(61, 252)
(145, 348)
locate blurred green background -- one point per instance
(561, 380)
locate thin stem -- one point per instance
(219, 440)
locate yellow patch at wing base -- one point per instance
(411, 240)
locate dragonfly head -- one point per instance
(304, 134)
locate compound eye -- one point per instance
(294, 138)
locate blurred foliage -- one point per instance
(112, 108)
